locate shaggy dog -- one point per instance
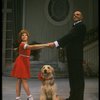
(48, 87)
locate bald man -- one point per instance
(73, 43)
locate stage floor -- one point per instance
(9, 93)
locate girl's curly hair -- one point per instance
(20, 34)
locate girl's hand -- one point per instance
(51, 44)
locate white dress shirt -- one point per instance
(77, 22)
(56, 43)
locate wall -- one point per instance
(43, 29)
(91, 59)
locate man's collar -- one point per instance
(77, 22)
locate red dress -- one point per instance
(21, 67)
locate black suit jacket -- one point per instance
(74, 41)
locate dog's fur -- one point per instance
(48, 87)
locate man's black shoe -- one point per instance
(67, 99)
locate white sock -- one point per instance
(17, 97)
(29, 96)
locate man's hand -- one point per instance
(51, 44)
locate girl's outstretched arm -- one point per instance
(37, 46)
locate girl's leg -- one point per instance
(18, 88)
(26, 88)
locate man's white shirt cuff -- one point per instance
(56, 43)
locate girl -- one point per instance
(21, 69)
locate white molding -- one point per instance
(67, 19)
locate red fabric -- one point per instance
(21, 67)
(39, 76)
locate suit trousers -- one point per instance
(76, 78)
